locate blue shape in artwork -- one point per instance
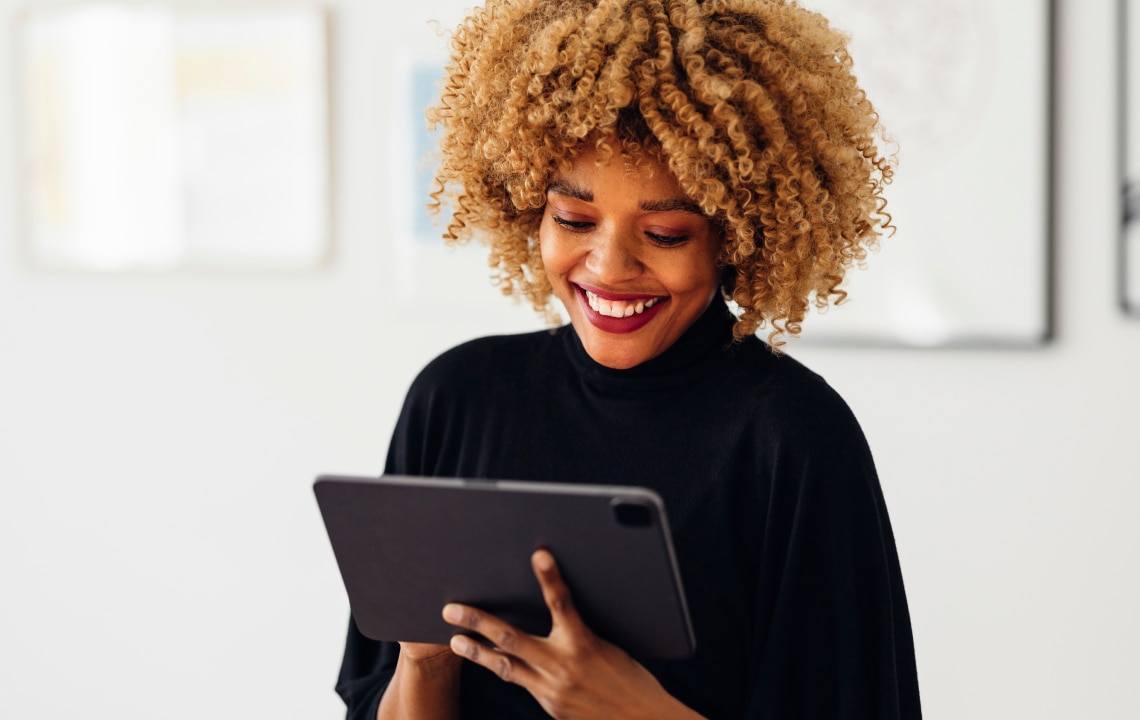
(424, 91)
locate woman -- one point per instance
(641, 161)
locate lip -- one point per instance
(622, 324)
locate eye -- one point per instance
(573, 225)
(666, 240)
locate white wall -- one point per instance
(161, 554)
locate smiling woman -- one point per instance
(643, 162)
(629, 256)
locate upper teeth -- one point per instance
(619, 308)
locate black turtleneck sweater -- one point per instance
(778, 521)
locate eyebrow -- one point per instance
(568, 189)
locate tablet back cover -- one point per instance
(407, 546)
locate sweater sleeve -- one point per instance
(364, 673)
(368, 665)
(832, 639)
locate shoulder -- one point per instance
(785, 389)
(809, 446)
(793, 418)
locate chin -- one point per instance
(617, 358)
(620, 363)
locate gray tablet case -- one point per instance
(406, 546)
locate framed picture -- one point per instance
(1129, 265)
(964, 90)
(165, 136)
(426, 274)
(418, 243)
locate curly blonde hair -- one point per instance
(751, 104)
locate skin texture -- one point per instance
(627, 232)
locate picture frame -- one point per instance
(1128, 250)
(166, 136)
(426, 273)
(964, 89)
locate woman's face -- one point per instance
(630, 256)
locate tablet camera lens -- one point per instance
(632, 514)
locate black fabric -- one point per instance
(779, 525)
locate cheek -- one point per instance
(708, 271)
(556, 259)
(697, 275)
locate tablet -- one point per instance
(406, 546)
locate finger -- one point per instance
(554, 590)
(509, 668)
(505, 636)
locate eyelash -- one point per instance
(657, 239)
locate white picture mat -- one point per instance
(963, 87)
(428, 275)
(169, 136)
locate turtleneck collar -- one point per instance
(681, 363)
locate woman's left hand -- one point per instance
(572, 673)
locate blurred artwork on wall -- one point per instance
(157, 136)
(963, 89)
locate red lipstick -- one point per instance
(618, 324)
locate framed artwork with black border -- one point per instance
(1128, 279)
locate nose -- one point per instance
(613, 257)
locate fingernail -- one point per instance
(543, 560)
(452, 613)
(460, 645)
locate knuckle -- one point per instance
(474, 650)
(558, 603)
(503, 668)
(583, 650)
(508, 640)
(470, 619)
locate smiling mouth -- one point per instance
(618, 308)
(619, 314)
